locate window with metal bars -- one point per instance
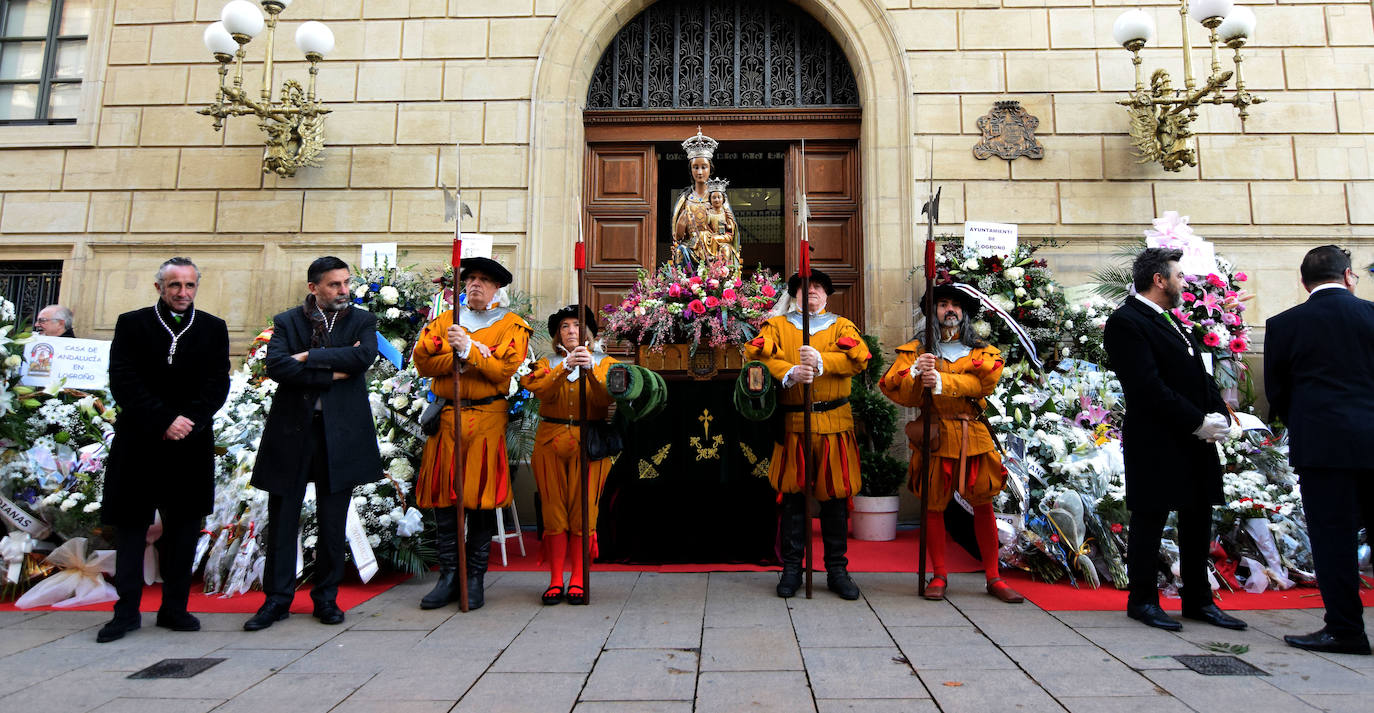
(30, 285)
(42, 60)
(722, 53)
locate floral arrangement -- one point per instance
(400, 297)
(1084, 321)
(1021, 284)
(715, 306)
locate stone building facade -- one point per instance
(140, 176)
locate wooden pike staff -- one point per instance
(932, 212)
(457, 261)
(804, 270)
(580, 264)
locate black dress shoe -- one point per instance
(1211, 614)
(1326, 643)
(328, 613)
(1152, 615)
(842, 584)
(116, 629)
(269, 614)
(178, 621)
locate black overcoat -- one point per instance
(1168, 393)
(350, 436)
(1319, 378)
(145, 471)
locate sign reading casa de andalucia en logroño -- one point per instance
(72, 363)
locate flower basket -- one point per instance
(703, 364)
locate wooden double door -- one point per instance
(630, 188)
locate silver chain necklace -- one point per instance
(172, 350)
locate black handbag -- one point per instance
(603, 440)
(429, 418)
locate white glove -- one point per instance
(1214, 427)
(810, 356)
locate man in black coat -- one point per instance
(1319, 377)
(319, 431)
(169, 373)
(1174, 417)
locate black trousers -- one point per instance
(1142, 554)
(284, 522)
(1336, 501)
(175, 549)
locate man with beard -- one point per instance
(169, 372)
(961, 371)
(836, 353)
(319, 431)
(1174, 417)
(490, 343)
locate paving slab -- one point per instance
(1158, 703)
(241, 669)
(427, 677)
(876, 705)
(1141, 647)
(554, 647)
(828, 620)
(660, 628)
(761, 691)
(1227, 694)
(1029, 627)
(298, 631)
(1079, 670)
(522, 693)
(160, 705)
(15, 640)
(633, 707)
(296, 692)
(979, 691)
(355, 705)
(894, 599)
(939, 647)
(10, 618)
(753, 649)
(862, 673)
(358, 652)
(1338, 703)
(644, 675)
(746, 599)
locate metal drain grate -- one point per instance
(176, 668)
(1219, 665)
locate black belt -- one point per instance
(469, 403)
(566, 421)
(818, 406)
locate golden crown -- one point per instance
(700, 146)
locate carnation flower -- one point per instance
(1189, 297)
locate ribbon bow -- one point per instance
(12, 550)
(409, 524)
(80, 582)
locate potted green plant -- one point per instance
(875, 426)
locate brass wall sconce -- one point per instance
(1161, 116)
(294, 124)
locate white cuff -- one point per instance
(467, 351)
(939, 384)
(787, 380)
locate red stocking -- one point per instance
(575, 560)
(934, 532)
(985, 527)
(555, 551)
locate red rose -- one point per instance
(696, 307)
(712, 302)
(728, 294)
(768, 291)
(694, 279)
(1215, 281)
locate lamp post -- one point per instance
(1161, 116)
(294, 123)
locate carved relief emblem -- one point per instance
(1008, 132)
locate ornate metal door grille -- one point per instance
(721, 54)
(31, 285)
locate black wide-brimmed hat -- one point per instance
(570, 312)
(794, 282)
(948, 291)
(488, 267)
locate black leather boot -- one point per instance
(446, 546)
(835, 537)
(791, 531)
(481, 528)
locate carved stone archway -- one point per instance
(571, 50)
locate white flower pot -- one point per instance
(875, 519)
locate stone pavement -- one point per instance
(677, 643)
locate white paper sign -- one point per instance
(1000, 238)
(1199, 256)
(20, 519)
(83, 363)
(379, 255)
(476, 245)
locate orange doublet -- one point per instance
(843, 354)
(963, 385)
(486, 482)
(557, 455)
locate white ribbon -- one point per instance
(151, 571)
(409, 524)
(1021, 334)
(1258, 529)
(80, 582)
(20, 519)
(12, 549)
(356, 534)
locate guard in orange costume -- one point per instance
(962, 371)
(491, 342)
(837, 352)
(557, 447)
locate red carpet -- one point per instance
(1062, 596)
(898, 555)
(351, 594)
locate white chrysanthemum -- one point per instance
(361, 292)
(982, 329)
(392, 313)
(1015, 273)
(388, 295)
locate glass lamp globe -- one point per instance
(219, 41)
(314, 38)
(1239, 25)
(241, 17)
(1208, 9)
(1133, 26)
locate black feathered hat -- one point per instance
(488, 267)
(794, 282)
(570, 312)
(948, 291)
